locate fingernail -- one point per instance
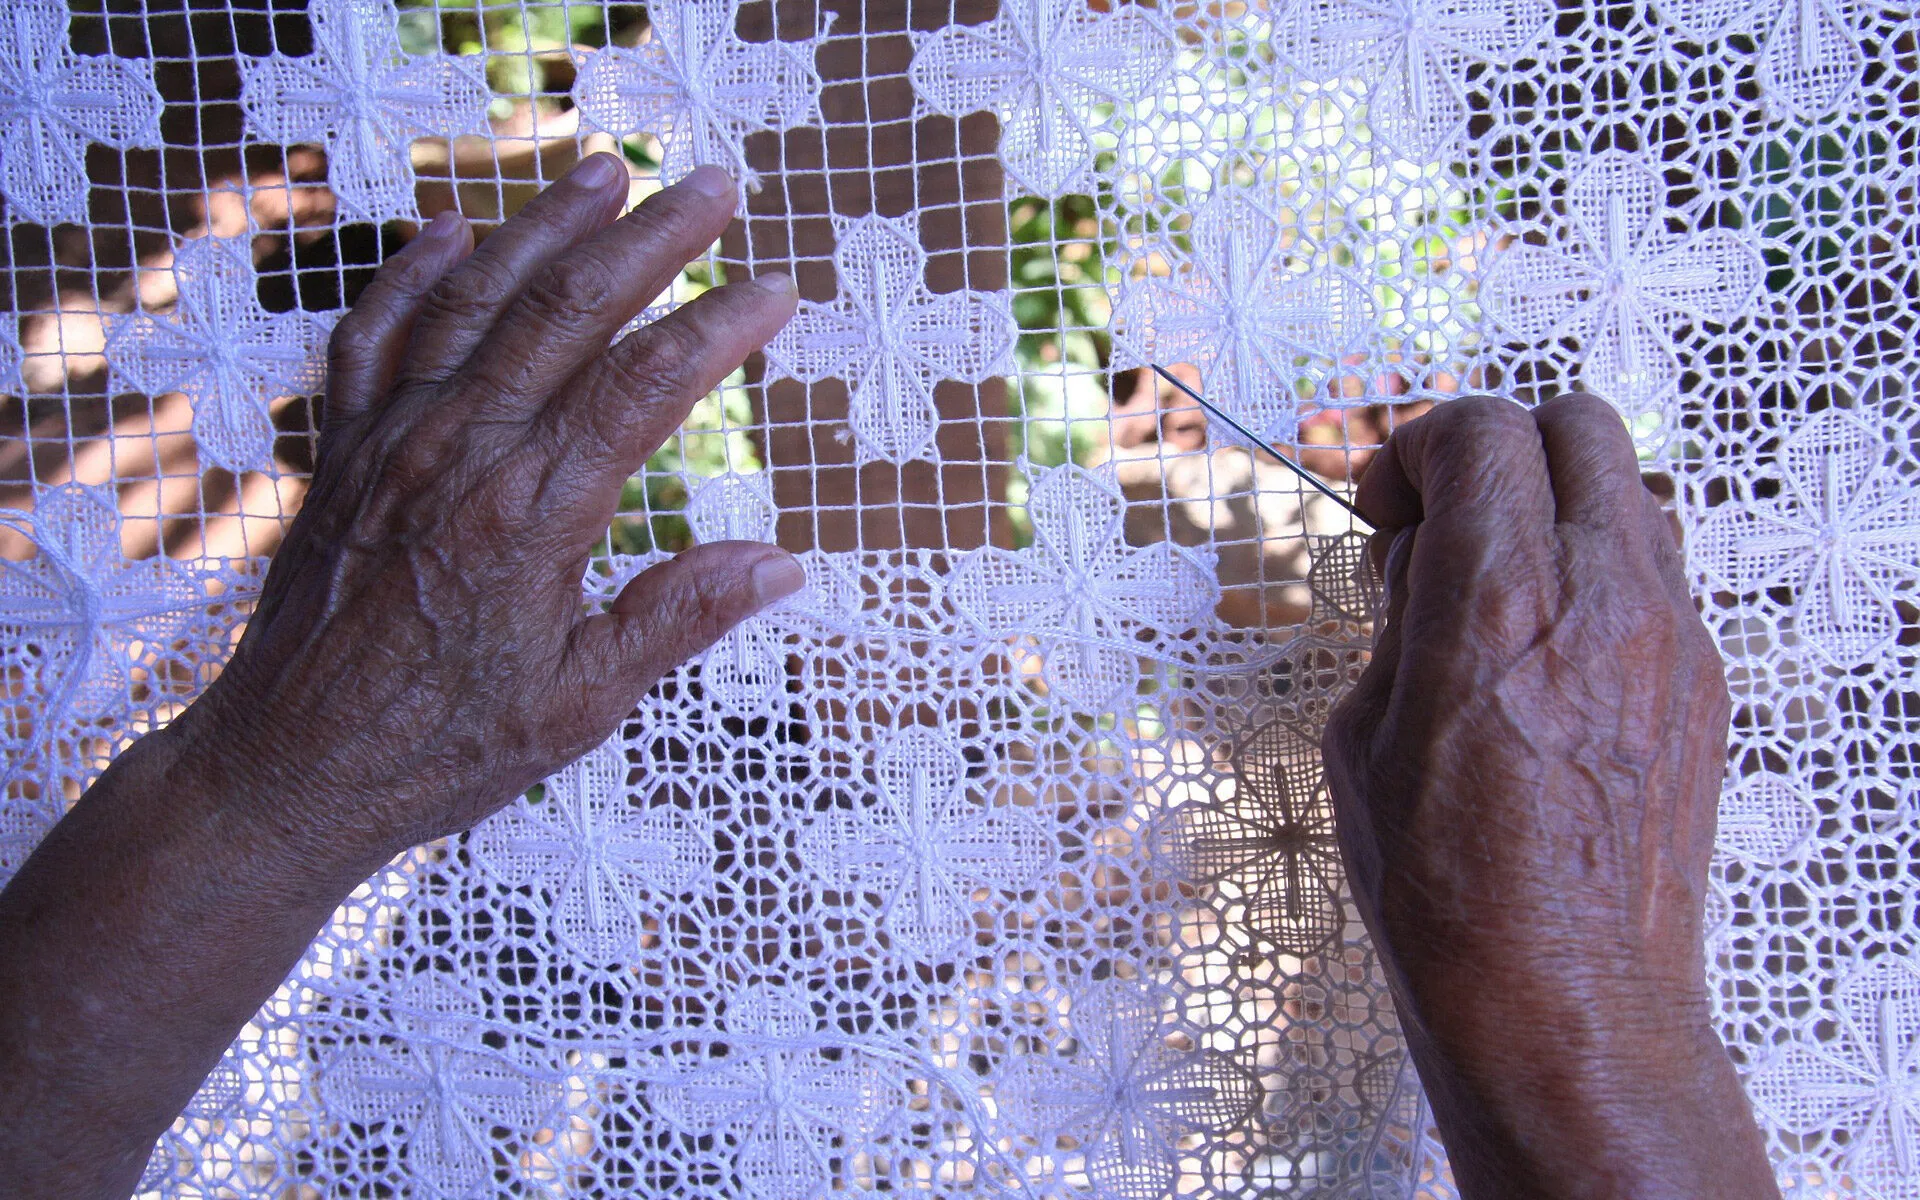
(597, 171)
(776, 577)
(778, 282)
(445, 224)
(711, 181)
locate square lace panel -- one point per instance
(998, 861)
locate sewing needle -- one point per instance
(1254, 442)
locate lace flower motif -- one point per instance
(602, 862)
(1862, 1085)
(892, 339)
(23, 823)
(1131, 1091)
(1810, 56)
(748, 667)
(83, 617)
(364, 101)
(428, 1072)
(1619, 281)
(1254, 305)
(54, 104)
(1844, 534)
(785, 1096)
(1765, 820)
(229, 355)
(1046, 67)
(700, 88)
(1416, 58)
(1092, 603)
(1268, 849)
(929, 848)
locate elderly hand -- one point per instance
(420, 654)
(1525, 782)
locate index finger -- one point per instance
(461, 309)
(1590, 459)
(1470, 461)
(573, 306)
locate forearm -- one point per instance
(139, 938)
(1559, 1106)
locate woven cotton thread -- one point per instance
(999, 859)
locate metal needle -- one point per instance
(1254, 442)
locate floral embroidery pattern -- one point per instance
(54, 104)
(1045, 67)
(700, 88)
(84, 619)
(364, 102)
(427, 1071)
(1765, 820)
(23, 822)
(747, 668)
(1128, 1094)
(783, 1098)
(892, 339)
(1081, 590)
(1863, 1085)
(791, 935)
(1255, 305)
(229, 355)
(1269, 843)
(1619, 281)
(1810, 57)
(929, 846)
(603, 862)
(1843, 534)
(1415, 58)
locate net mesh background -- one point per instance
(998, 860)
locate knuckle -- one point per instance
(354, 341)
(658, 358)
(699, 606)
(569, 291)
(413, 462)
(594, 435)
(713, 606)
(469, 295)
(409, 274)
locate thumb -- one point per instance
(1348, 750)
(673, 611)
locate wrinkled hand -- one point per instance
(420, 654)
(1525, 780)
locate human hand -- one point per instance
(1525, 780)
(420, 655)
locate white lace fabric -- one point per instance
(998, 860)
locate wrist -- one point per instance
(1584, 1110)
(107, 1022)
(290, 823)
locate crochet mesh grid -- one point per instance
(997, 860)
